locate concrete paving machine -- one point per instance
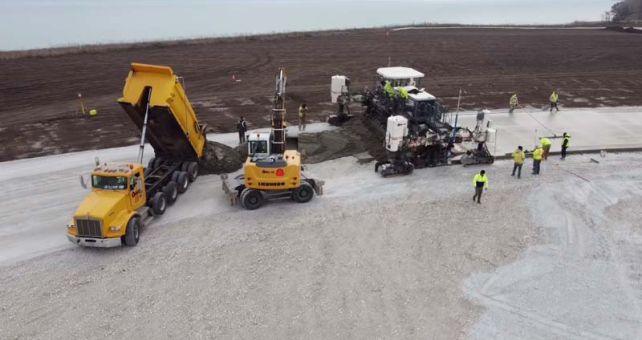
(416, 132)
(271, 171)
(124, 196)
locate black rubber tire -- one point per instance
(304, 193)
(184, 166)
(241, 196)
(192, 171)
(132, 234)
(182, 182)
(171, 192)
(159, 203)
(157, 162)
(251, 199)
(175, 176)
(150, 164)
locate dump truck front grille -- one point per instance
(89, 227)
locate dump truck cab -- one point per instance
(117, 197)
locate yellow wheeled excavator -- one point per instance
(271, 171)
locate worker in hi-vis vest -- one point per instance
(554, 99)
(565, 144)
(546, 146)
(518, 157)
(480, 182)
(514, 101)
(389, 90)
(537, 159)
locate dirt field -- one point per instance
(39, 113)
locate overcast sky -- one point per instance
(26, 24)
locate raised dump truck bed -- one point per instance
(172, 127)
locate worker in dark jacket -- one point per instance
(565, 144)
(480, 182)
(241, 126)
(303, 111)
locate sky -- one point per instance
(29, 24)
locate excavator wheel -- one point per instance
(159, 203)
(182, 181)
(251, 199)
(304, 193)
(171, 192)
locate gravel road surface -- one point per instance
(373, 258)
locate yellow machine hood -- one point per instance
(101, 204)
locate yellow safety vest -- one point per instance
(480, 178)
(390, 91)
(513, 100)
(554, 97)
(403, 93)
(567, 141)
(537, 154)
(519, 157)
(545, 141)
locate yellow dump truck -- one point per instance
(125, 196)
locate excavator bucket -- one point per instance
(173, 128)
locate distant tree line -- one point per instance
(627, 10)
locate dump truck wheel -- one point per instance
(171, 192)
(251, 199)
(182, 182)
(159, 203)
(132, 234)
(304, 193)
(184, 166)
(157, 162)
(175, 176)
(192, 171)
(150, 164)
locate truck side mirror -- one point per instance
(82, 182)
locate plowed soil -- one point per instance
(40, 115)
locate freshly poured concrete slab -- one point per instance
(590, 128)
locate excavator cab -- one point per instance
(258, 145)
